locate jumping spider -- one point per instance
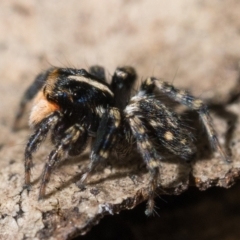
(75, 105)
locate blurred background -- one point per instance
(194, 44)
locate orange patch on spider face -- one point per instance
(41, 109)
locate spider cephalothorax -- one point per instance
(75, 105)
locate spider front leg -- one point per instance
(191, 102)
(105, 139)
(149, 154)
(121, 85)
(35, 140)
(98, 72)
(72, 143)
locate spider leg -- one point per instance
(98, 72)
(105, 139)
(121, 85)
(123, 80)
(188, 100)
(35, 140)
(73, 142)
(29, 94)
(149, 154)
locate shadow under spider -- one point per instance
(134, 165)
(75, 179)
